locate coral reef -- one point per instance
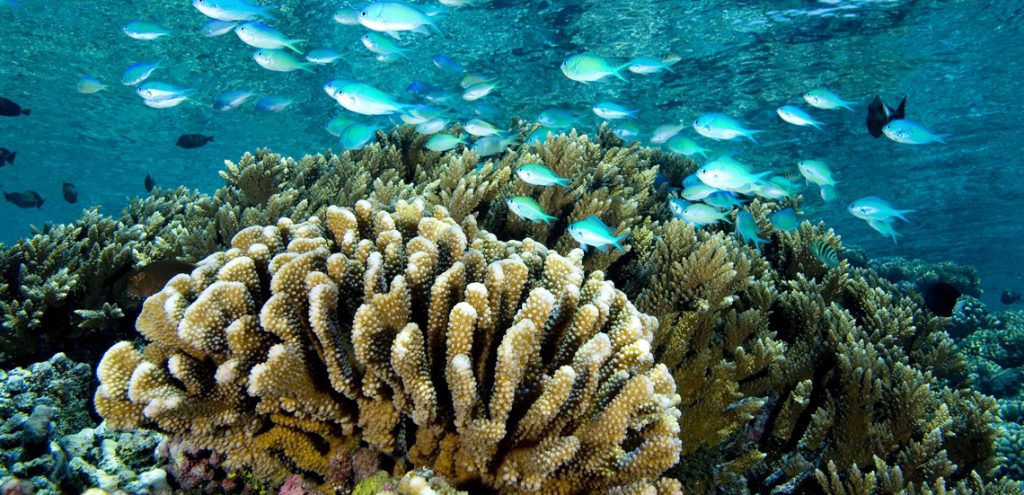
(419, 482)
(67, 282)
(493, 363)
(47, 444)
(919, 274)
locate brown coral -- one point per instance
(495, 363)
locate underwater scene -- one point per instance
(511, 247)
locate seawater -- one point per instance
(958, 62)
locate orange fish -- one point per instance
(149, 279)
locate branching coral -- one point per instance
(493, 363)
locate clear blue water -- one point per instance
(959, 63)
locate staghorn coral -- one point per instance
(494, 363)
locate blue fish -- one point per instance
(445, 63)
(746, 229)
(784, 220)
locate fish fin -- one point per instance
(562, 181)
(941, 138)
(583, 247)
(291, 45)
(264, 12)
(548, 218)
(10, 158)
(899, 214)
(901, 111)
(616, 242)
(604, 248)
(306, 67)
(25, 111)
(846, 105)
(394, 34)
(817, 125)
(750, 135)
(618, 72)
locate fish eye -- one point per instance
(362, 14)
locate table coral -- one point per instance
(494, 363)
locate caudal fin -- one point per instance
(616, 241)
(618, 71)
(10, 158)
(25, 111)
(291, 45)
(750, 135)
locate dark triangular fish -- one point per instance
(941, 298)
(70, 192)
(7, 156)
(880, 114)
(151, 278)
(190, 141)
(149, 183)
(1009, 297)
(27, 199)
(9, 108)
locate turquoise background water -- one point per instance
(959, 63)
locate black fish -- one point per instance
(880, 114)
(150, 183)
(9, 108)
(7, 156)
(941, 298)
(189, 141)
(27, 199)
(70, 192)
(1009, 297)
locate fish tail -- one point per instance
(10, 158)
(548, 218)
(25, 111)
(618, 72)
(817, 125)
(846, 105)
(941, 138)
(750, 135)
(899, 214)
(264, 12)
(563, 182)
(291, 45)
(306, 67)
(617, 239)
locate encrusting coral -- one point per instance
(490, 362)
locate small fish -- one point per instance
(613, 111)
(941, 298)
(471, 79)
(724, 200)
(784, 220)
(663, 133)
(886, 228)
(338, 124)
(232, 10)
(539, 175)
(768, 190)
(528, 209)
(677, 206)
(149, 183)
(259, 35)
(746, 229)
(718, 126)
(165, 102)
(418, 114)
(27, 199)
(700, 214)
(908, 131)
(279, 61)
(492, 145)
(651, 65)
(9, 108)
(378, 43)
(797, 116)
(356, 135)
(825, 253)
(151, 278)
(442, 62)
(875, 208)
(273, 104)
(432, 126)
(826, 100)
(697, 192)
(1009, 297)
(192, 141)
(367, 100)
(394, 17)
(88, 85)
(144, 30)
(591, 231)
(70, 192)
(444, 142)
(138, 72)
(816, 172)
(627, 131)
(538, 136)
(154, 90)
(880, 114)
(557, 118)
(7, 156)
(481, 128)
(728, 174)
(213, 27)
(486, 110)
(323, 56)
(479, 90)
(686, 147)
(588, 67)
(231, 99)
(420, 88)
(347, 16)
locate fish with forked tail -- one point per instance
(880, 114)
(9, 108)
(27, 199)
